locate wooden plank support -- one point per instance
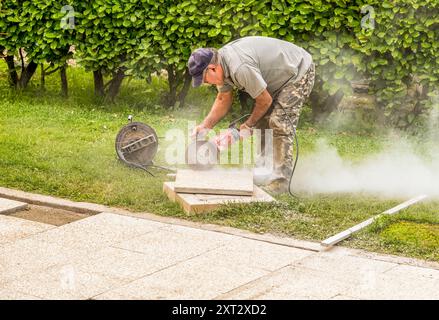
(347, 233)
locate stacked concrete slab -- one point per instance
(199, 191)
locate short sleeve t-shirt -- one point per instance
(253, 64)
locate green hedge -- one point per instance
(138, 37)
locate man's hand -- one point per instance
(200, 131)
(245, 131)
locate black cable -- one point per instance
(236, 120)
(297, 152)
(162, 167)
(297, 147)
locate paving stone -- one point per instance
(405, 271)
(388, 286)
(291, 283)
(257, 254)
(63, 282)
(197, 278)
(346, 267)
(397, 259)
(9, 206)
(6, 294)
(98, 231)
(174, 244)
(122, 264)
(32, 256)
(12, 228)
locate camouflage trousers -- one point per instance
(282, 116)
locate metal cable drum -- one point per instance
(137, 144)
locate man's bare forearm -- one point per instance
(219, 109)
(262, 104)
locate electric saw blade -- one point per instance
(202, 155)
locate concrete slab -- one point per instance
(6, 294)
(346, 268)
(9, 206)
(394, 259)
(32, 256)
(201, 203)
(123, 265)
(411, 272)
(12, 228)
(257, 254)
(63, 282)
(98, 231)
(388, 286)
(291, 283)
(168, 246)
(215, 181)
(197, 278)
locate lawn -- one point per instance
(65, 148)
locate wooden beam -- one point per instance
(347, 233)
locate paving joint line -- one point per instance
(249, 283)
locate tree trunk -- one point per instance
(179, 85)
(43, 77)
(64, 83)
(98, 83)
(323, 104)
(331, 103)
(27, 74)
(115, 84)
(186, 86)
(172, 82)
(13, 76)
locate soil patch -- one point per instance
(56, 217)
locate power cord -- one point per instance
(297, 152)
(296, 140)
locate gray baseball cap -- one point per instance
(198, 62)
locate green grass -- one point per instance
(65, 148)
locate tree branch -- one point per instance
(51, 71)
(108, 83)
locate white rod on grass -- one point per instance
(347, 233)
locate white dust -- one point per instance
(398, 171)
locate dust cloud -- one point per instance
(399, 170)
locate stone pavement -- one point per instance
(118, 256)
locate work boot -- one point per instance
(278, 186)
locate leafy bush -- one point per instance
(393, 44)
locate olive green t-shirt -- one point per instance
(253, 64)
